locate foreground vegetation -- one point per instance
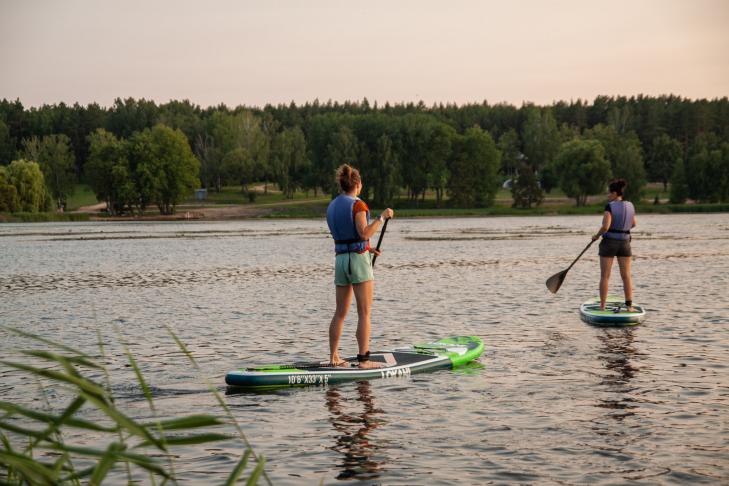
(36, 447)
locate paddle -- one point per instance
(379, 241)
(555, 281)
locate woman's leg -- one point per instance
(606, 265)
(624, 264)
(363, 294)
(344, 299)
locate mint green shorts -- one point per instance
(353, 268)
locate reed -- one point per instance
(36, 447)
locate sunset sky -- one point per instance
(258, 52)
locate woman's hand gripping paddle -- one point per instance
(379, 241)
(555, 281)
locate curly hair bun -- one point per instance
(347, 177)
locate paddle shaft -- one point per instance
(582, 253)
(379, 241)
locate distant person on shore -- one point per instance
(349, 222)
(617, 221)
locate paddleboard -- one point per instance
(615, 313)
(447, 352)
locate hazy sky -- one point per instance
(258, 52)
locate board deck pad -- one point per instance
(444, 353)
(615, 313)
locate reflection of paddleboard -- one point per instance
(615, 313)
(444, 353)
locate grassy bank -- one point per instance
(270, 203)
(42, 217)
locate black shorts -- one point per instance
(615, 248)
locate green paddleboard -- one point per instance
(615, 313)
(447, 352)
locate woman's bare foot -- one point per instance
(337, 362)
(369, 365)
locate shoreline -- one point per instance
(317, 210)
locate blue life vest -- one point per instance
(622, 220)
(341, 224)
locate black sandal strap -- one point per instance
(363, 357)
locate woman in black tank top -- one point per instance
(615, 247)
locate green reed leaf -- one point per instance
(59, 358)
(105, 464)
(20, 430)
(140, 378)
(73, 407)
(190, 439)
(32, 471)
(87, 386)
(189, 422)
(123, 421)
(256, 474)
(140, 460)
(43, 340)
(14, 409)
(217, 396)
(238, 470)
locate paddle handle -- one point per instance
(582, 253)
(379, 241)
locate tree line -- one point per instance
(138, 153)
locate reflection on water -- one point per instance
(616, 353)
(362, 457)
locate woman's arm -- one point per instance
(365, 230)
(607, 218)
(635, 222)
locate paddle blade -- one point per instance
(555, 281)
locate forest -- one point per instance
(137, 154)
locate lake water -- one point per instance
(551, 401)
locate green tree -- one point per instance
(343, 149)
(384, 172)
(625, 155)
(414, 159)
(290, 160)
(107, 171)
(239, 166)
(511, 156)
(582, 168)
(540, 137)
(701, 169)
(525, 189)
(130, 116)
(165, 168)
(665, 153)
(548, 178)
(7, 144)
(240, 133)
(27, 178)
(679, 188)
(55, 157)
(9, 200)
(473, 171)
(438, 151)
